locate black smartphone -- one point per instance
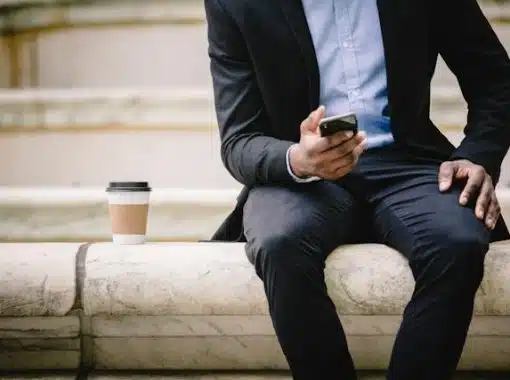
(331, 125)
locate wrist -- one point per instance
(296, 162)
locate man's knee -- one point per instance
(457, 254)
(288, 250)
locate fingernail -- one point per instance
(349, 134)
(443, 186)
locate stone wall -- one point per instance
(5, 69)
(125, 43)
(202, 307)
(110, 44)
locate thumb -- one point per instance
(446, 172)
(311, 123)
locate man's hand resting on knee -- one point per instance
(478, 187)
(330, 157)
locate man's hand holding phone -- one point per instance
(329, 157)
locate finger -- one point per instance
(339, 140)
(446, 173)
(341, 137)
(310, 124)
(325, 144)
(340, 168)
(493, 213)
(318, 115)
(484, 199)
(334, 165)
(348, 161)
(346, 148)
(473, 185)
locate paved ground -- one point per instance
(232, 376)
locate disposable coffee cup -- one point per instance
(129, 210)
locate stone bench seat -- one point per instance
(200, 306)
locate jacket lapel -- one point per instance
(295, 16)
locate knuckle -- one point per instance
(484, 200)
(337, 138)
(479, 170)
(341, 150)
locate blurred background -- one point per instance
(94, 91)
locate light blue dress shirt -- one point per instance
(348, 43)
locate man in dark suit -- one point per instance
(398, 181)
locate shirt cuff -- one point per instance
(295, 177)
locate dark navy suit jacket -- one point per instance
(266, 81)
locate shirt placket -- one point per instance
(347, 47)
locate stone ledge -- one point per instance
(67, 214)
(138, 108)
(37, 279)
(185, 279)
(91, 109)
(37, 291)
(166, 306)
(81, 214)
(39, 343)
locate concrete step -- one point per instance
(148, 108)
(87, 137)
(168, 136)
(67, 214)
(123, 42)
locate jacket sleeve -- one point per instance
(248, 151)
(475, 55)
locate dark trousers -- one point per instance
(391, 198)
